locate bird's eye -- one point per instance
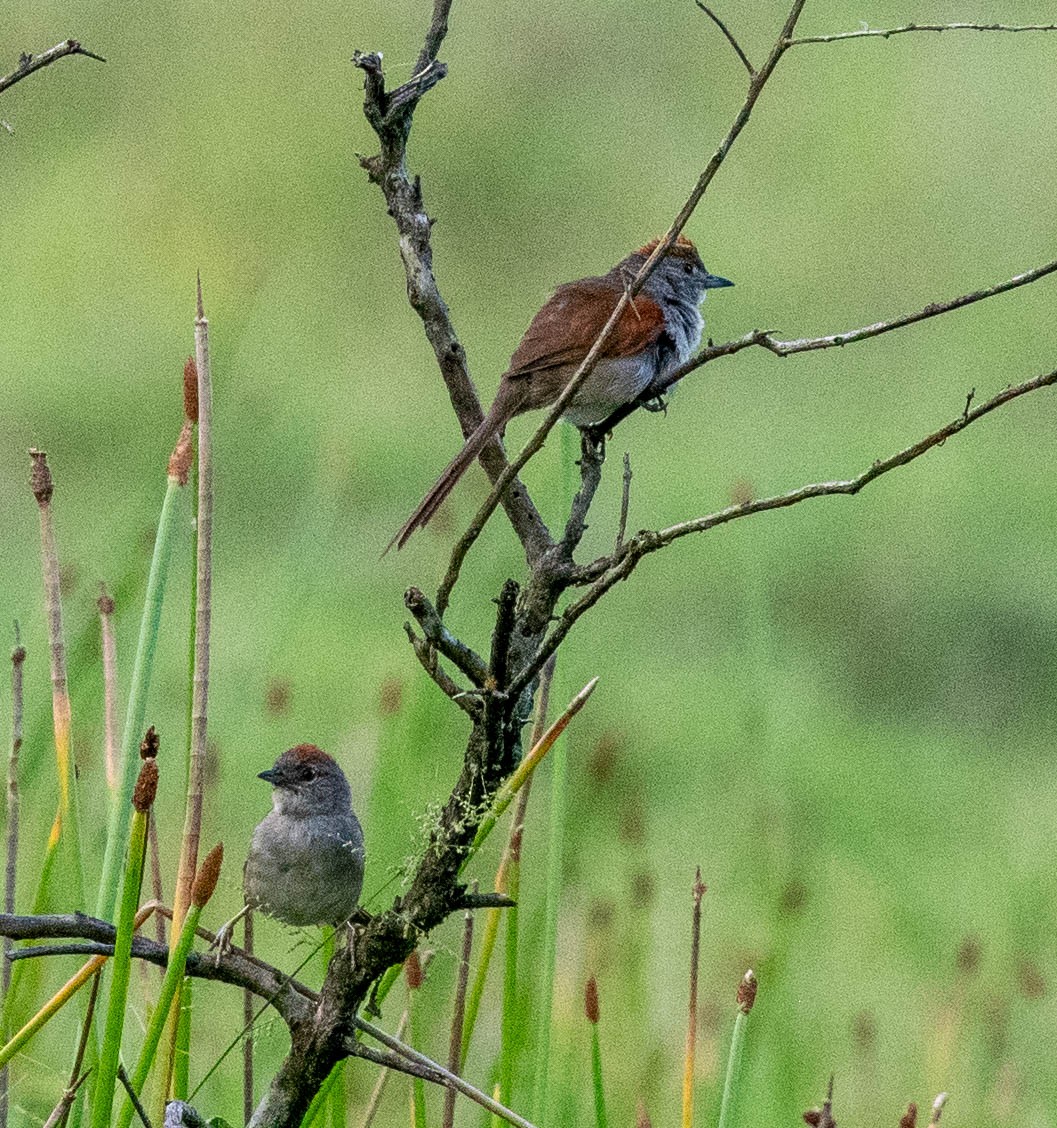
(310, 773)
(689, 268)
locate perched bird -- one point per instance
(305, 864)
(660, 328)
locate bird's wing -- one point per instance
(567, 325)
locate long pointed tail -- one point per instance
(490, 426)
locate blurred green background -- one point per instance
(842, 712)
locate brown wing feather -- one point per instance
(567, 325)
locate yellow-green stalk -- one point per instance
(110, 1054)
(135, 713)
(504, 796)
(413, 976)
(66, 827)
(204, 884)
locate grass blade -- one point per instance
(592, 1010)
(746, 997)
(110, 1054)
(204, 885)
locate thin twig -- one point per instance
(82, 1047)
(625, 501)
(690, 1055)
(457, 1016)
(887, 33)
(864, 332)
(61, 1112)
(730, 38)
(27, 64)
(18, 658)
(390, 115)
(109, 647)
(610, 570)
(247, 1021)
(535, 443)
(137, 1104)
(446, 1076)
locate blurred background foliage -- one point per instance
(843, 712)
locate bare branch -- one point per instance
(28, 64)
(607, 571)
(438, 636)
(887, 33)
(449, 1078)
(390, 115)
(427, 657)
(730, 38)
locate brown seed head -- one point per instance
(105, 602)
(813, 1116)
(642, 1117)
(746, 995)
(591, 1001)
(146, 787)
(413, 971)
(40, 480)
(150, 744)
(392, 696)
(909, 1118)
(970, 952)
(208, 875)
(190, 390)
(182, 453)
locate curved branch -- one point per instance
(729, 36)
(28, 64)
(608, 571)
(293, 1000)
(390, 115)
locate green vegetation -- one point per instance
(842, 712)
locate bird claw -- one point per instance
(222, 941)
(656, 403)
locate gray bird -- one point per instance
(305, 864)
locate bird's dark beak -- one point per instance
(714, 282)
(268, 776)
